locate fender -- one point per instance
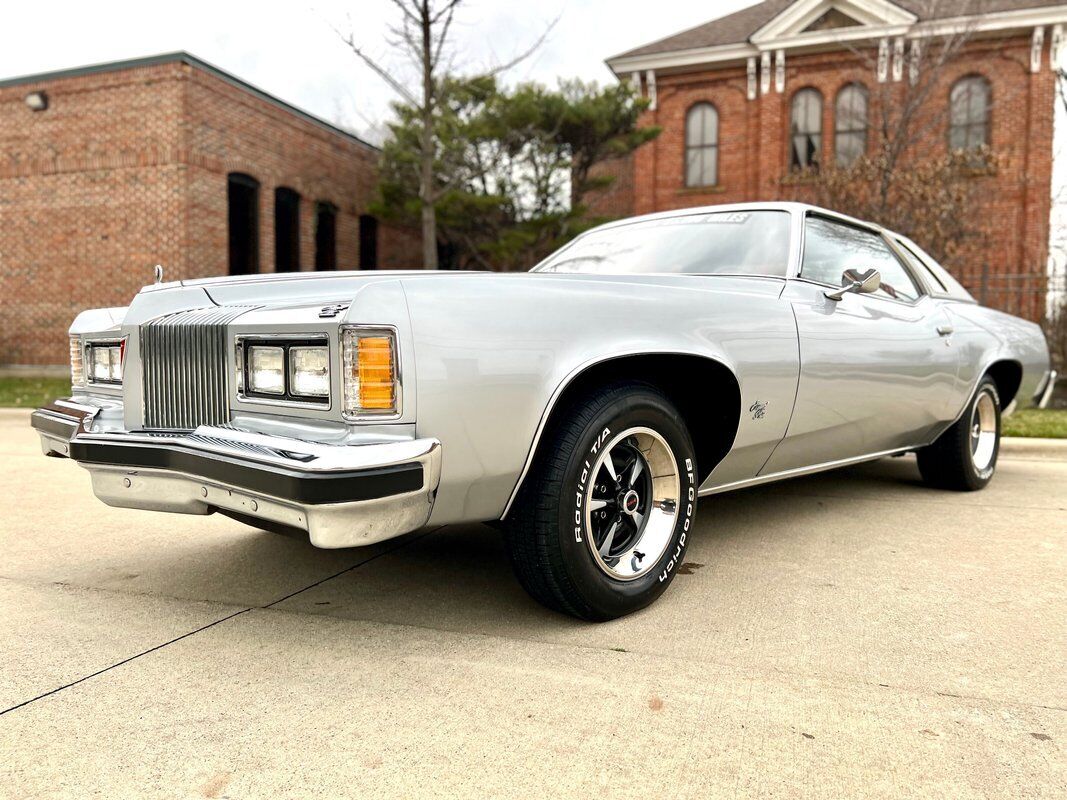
(573, 375)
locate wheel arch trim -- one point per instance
(577, 373)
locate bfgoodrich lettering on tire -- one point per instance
(604, 517)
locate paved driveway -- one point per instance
(845, 635)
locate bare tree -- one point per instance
(895, 181)
(423, 35)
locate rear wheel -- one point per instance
(964, 457)
(603, 518)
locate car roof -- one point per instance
(789, 206)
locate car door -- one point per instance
(877, 371)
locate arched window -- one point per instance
(286, 230)
(242, 199)
(969, 103)
(850, 124)
(805, 127)
(325, 236)
(702, 145)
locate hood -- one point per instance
(293, 288)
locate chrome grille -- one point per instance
(184, 368)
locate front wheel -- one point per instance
(964, 457)
(603, 519)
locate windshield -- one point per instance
(719, 243)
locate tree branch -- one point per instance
(382, 72)
(525, 54)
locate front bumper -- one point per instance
(342, 495)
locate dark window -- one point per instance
(719, 243)
(832, 247)
(850, 124)
(447, 255)
(286, 230)
(969, 103)
(325, 236)
(368, 242)
(805, 127)
(702, 145)
(242, 196)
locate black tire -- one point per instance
(950, 462)
(548, 531)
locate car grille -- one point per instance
(184, 368)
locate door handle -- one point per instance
(945, 330)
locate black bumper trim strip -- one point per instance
(307, 488)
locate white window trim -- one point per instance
(793, 20)
(1021, 20)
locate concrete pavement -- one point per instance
(852, 634)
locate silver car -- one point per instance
(585, 405)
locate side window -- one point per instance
(832, 247)
(917, 265)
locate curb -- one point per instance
(1033, 448)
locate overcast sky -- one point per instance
(290, 50)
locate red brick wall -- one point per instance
(127, 169)
(615, 200)
(753, 145)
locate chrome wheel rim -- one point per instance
(983, 431)
(631, 503)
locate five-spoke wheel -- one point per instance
(632, 503)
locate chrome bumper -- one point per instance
(342, 495)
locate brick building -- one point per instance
(110, 169)
(750, 101)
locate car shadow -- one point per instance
(459, 577)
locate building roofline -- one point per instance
(183, 57)
(754, 44)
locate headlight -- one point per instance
(283, 370)
(105, 361)
(309, 371)
(266, 369)
(371, 374)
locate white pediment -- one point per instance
(819, 18)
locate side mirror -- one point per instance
(852, 280)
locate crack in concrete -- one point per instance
(404, 543)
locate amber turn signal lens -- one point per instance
(371, 384)
(376, 390)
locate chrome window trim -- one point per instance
(821, 285)
(257, 400)
(367, 416)
(730, 208)
(875, 230)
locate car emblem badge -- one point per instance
(159, 273)
(332, 310)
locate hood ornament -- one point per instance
(159, 273)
